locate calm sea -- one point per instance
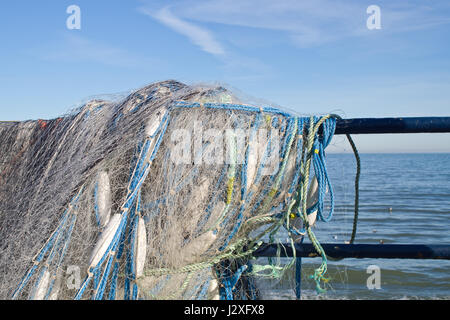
(404, 199)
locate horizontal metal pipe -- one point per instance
(340, 251)
(393, 125)
(376, 125)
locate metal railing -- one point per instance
(391, 251)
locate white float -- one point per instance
(140, 248)
(41, 289)
(297, 222)
(106, 237)
(104, 198)
(154, 121)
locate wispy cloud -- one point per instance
(306, 23)
(196, 34)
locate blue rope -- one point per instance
(229, 281)
(320, 168)
(113, 285)
(235, 107)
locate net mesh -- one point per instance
(165, 194)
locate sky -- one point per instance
(313, 57)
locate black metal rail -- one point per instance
(376, 251)
(393, 125)
(376, 125)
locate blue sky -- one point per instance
(308, 56)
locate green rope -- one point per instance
(319, 273)
(357, 177)
(358, 173)
(234, 252)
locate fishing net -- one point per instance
(165, 194)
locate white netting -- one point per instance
(161, 195)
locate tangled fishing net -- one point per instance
(166, 194)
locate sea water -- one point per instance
(404, 199)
